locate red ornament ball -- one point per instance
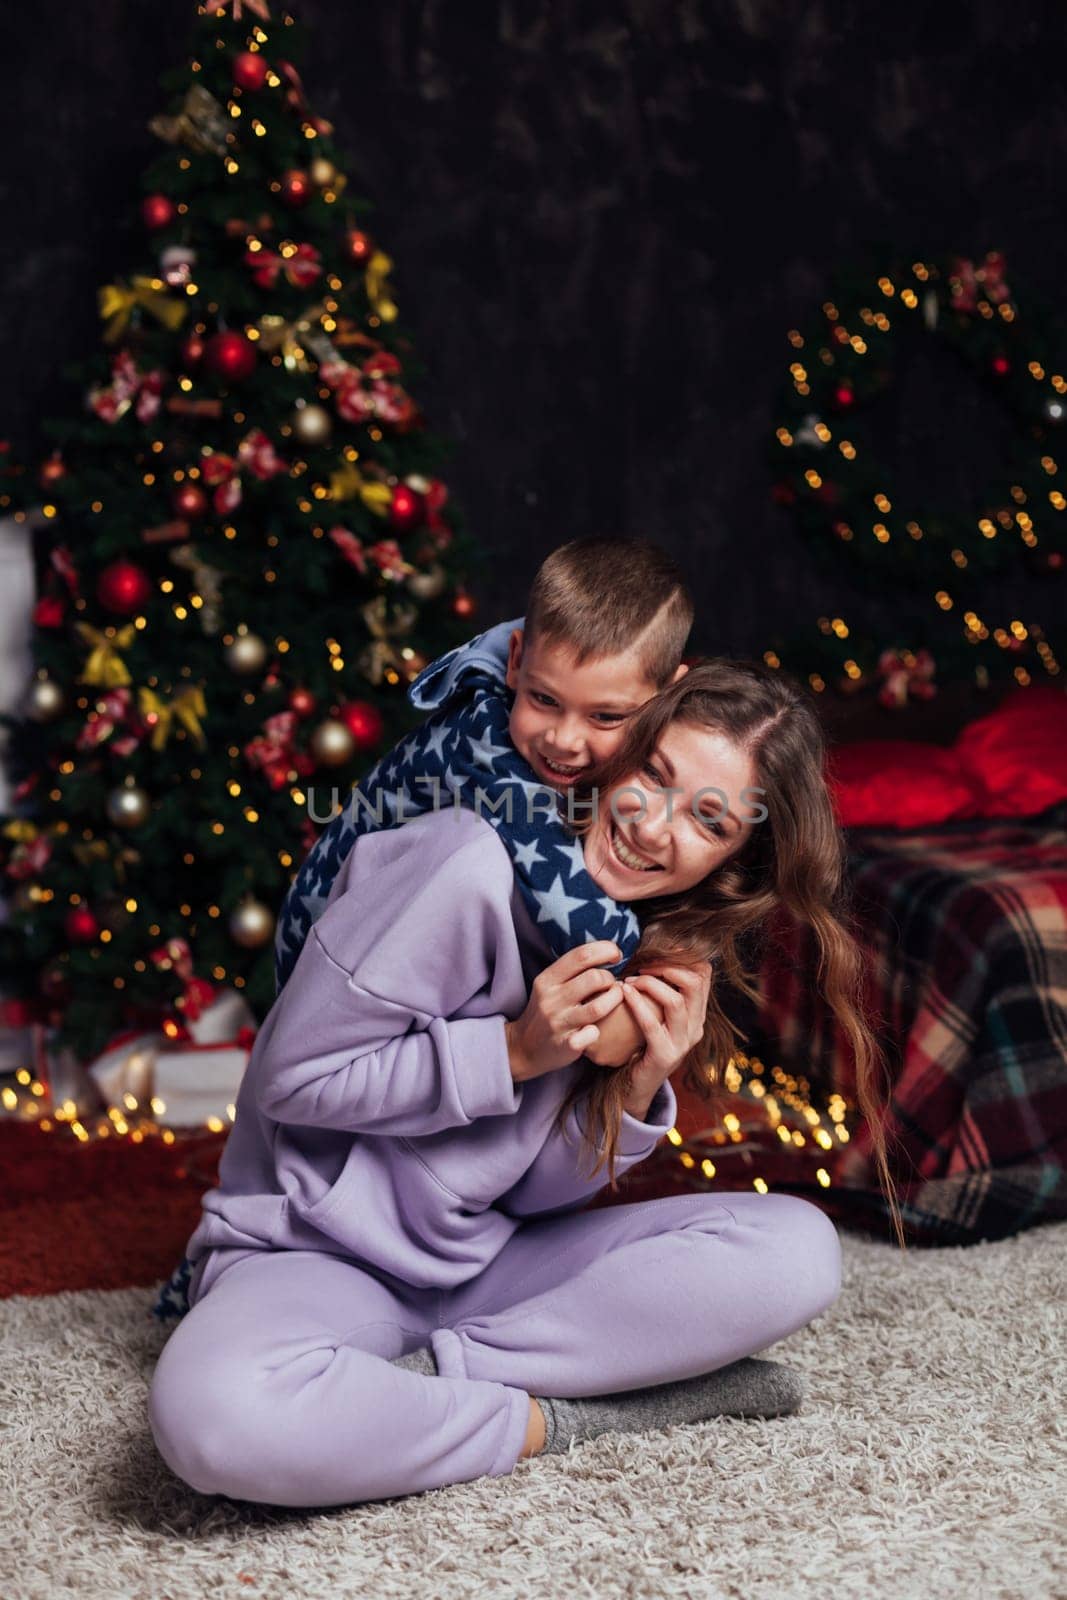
(296, 188)
(249, 70)
(123, 587)
(464, 605)
(364, 722)
(302, 702)
(1001, 366)
(158, 211)
(359, 247)
(80, 925)
(16, 1013)
(407, 508)
(190, 502)
(49, 612)
(192, 351)
(230, 356)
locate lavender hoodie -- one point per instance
(378, 1117)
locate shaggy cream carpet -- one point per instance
(928, 1460)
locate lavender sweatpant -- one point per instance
(277, 1387)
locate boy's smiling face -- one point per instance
(569, 716)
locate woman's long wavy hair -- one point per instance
(792, 861)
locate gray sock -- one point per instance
(420, 1360)
(746, 1388)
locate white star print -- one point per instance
(527, 855)
(572, 850)
(435, 740)
(556, 904)
(484, 752)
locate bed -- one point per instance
(964, 923)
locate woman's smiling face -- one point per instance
(664, 830)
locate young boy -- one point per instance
(605, 626)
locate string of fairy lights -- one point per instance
(765, 1099)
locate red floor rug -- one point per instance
(102, 1215)
(110, 1214)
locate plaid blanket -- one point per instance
(966, 932)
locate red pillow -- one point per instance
(1017, 756)
(900, 784)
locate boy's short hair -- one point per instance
(604, 596)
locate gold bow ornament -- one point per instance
(201, 124)
(105, 668)
(187, 707)
(294, 339)
(348, 482)
(116, 302)
(381, 654)
(378, 292)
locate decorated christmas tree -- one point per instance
(974, 583)
(246, 554)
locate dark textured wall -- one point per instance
(605, 216)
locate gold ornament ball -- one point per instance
(45, 700)
(246, 654)
(331, 744)
(127, 807)
(323, 172)
(252, 925)
(427, 585)
(311, 424)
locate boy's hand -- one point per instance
(671, 1026)
(567, 1002)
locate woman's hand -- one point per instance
(567, 1002)
(671, 1026)
(620, 1038)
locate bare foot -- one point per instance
(535, 1432)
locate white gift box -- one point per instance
(189, 1081)
(127, 1068)
(194, 1085)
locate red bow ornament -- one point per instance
(112, 711)
(296, 99)
(969, 284)
(128, 387)
(29, 857)
(255, 454)
(300, 263)
(350, 547)
(219, 472)
(389, 559)
(906, 674)
(272, 752)
(367, 393)
(175, 955)
(50, 610)
(435, 496)
(258, 456)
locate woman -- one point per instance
(393, 1286)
